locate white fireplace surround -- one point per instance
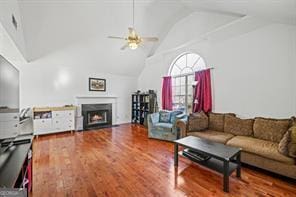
(79, 100)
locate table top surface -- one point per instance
(11, 162)
(208, 147)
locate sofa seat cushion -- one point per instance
(215, 136)
(161, 126)
(260, 147)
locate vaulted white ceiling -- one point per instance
(75, 31)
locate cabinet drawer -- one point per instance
(69, 127)
(42, 125)
(58, 124)
(9, 117)
(58, 114)
(70, 113)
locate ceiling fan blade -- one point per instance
(117, 37)
(150, 39)
(124, 47)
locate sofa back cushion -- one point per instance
(270, 129)
(198, 122)
(237, 126)
(216, 121)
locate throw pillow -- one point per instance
(237, 126)
(198, 121)
(216, 121)
(285, 141)
(270, 129)
(293, 121)
(292, 144)
(165, 116)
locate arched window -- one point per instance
(182, 71)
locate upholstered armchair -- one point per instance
(162, 125)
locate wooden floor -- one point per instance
(122, 161)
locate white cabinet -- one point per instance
(56, 120)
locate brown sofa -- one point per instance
(259, 138)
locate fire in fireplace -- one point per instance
(96, 115)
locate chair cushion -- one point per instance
(215, 136)
(237, 126)
(216, 121)
(198, 121)
(162, 126)
(165, 116)
(260, 147)
(270, 129)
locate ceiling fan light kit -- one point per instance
(133, 45)
(133, 39)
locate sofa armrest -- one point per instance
(181, 124)
(153, 118)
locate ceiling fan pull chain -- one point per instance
(133, 14)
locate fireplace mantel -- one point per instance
(95, 96)
(97, 99)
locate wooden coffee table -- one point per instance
(223, 159)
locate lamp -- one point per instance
(133, 45)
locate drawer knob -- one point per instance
(15, 117)
(15, 125)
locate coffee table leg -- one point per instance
(176, 155)
(226, 177)
(238, 169)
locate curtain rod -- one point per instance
(182, 75)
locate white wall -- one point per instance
(47, 84)
(252, 75)
(7, 8)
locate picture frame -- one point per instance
(97, 84)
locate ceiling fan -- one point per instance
(133, 40)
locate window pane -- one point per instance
(200, 65)
(178, 81)
(181, 62)
(191, 59)
(190, 90)
(175, 70)
(186, 70)
(183, 90)
(190, 79)
(183, 80)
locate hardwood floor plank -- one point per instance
(122, 161)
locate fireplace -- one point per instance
(96, 115)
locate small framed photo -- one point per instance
(96, 84)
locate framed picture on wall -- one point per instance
(96, 84)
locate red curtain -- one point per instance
(203, 92)
(167, 100)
